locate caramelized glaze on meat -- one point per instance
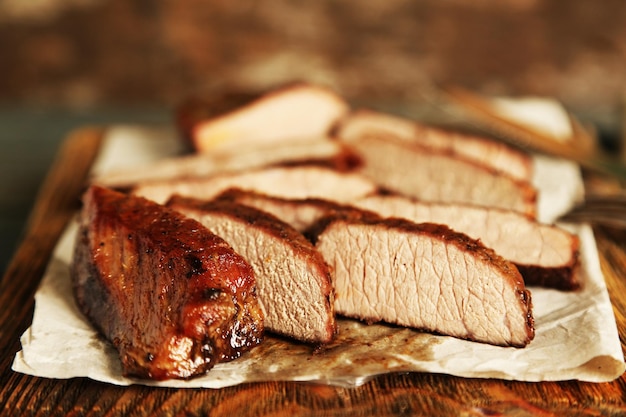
(173, 298)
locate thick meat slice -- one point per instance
(172, 297)
(295, 112)
(483, 151)
(291, 182)
(546, 255)
(293, 281)
(425, 276)
(437, 176)
(322, 151)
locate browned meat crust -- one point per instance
(173, 298)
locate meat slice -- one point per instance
(300, 214)
(483, 151)
(196, 109)
(293, 281)
(425, 276)
(294, 112)
(321, 151)
(437, 176)
(291, 182)
(546, 255)
(173, 298)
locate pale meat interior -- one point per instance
(296, 113)
(512, 235)
(424, 283)
(291, 182)
(291, 290)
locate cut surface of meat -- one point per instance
(290, 182)
(436, 176)
(293, 281)
(197, 109)
(300, 214)
(425, 276)
(321, 151)
(481, 150)
(294, 112)
(546, 255)
(173, 298)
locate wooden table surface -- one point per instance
(401, 394)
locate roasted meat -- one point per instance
(424, 276)
(293, 281)
(484, 151)
(314, 151)
(300, 214)
(294, 112)
(173, 298)
(546, 255)
(293, 182)
(438, 175)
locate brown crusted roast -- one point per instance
(172, 297)
(546, 255)
(293, 282)
(425, 276)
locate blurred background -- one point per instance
(68, 63)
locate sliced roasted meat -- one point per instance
(317, 151)
(300, 214)
(197, 109)
(291, 182)
(173, 298)
(295, 112)
(293, 281)
(484, 151)
(436, 175)
(425, 276)
(546, 255)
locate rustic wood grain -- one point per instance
(399, 394)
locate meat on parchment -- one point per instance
(436, 175)
(424, 276)
(482, 150)
(293, 282)
(293, 182)
(173, 298)
(546, 255)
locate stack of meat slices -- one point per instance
(404, 223)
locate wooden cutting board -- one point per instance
(397, 394)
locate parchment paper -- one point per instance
(576, 333)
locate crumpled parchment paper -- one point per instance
(576, 334)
